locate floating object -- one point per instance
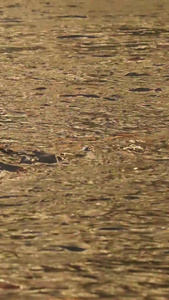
(10, 168)
(26, 160)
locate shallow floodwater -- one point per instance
(87, 81)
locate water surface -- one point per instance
(78, 74)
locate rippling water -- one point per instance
(77, 75)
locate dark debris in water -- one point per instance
(146, 89)
(10, 167)
(73, 248)
(26, 160)
(75, 36)
(112, 228)
(113, 98)
(43, 157)
(72, 16)
(37, 156)
(135, 74)
(141, 90)
(41, 88)
(81, 95)
(98, 199)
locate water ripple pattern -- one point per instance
(84, 150)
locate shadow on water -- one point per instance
(84, 150)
